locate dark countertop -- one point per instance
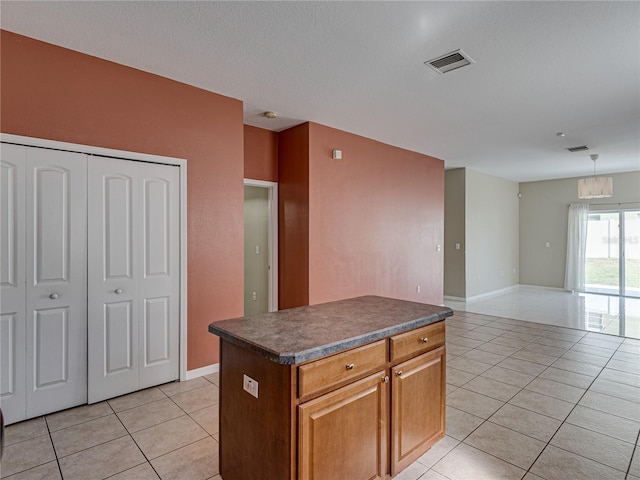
(305, 333)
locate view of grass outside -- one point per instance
(604, 271)
(602, 267)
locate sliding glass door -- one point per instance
(631, 233)
(613, 253)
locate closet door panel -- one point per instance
(56, 240)
(159, 278)
(113, 278)
(12, 282)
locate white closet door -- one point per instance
(133, 276)
(159, 279)
(12, 283)
(113, 278)
(56, 277)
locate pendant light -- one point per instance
(595, 187)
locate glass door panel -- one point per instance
(631, 249)
(602, 268)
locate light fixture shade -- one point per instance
(595, 187)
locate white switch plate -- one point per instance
(250, 385)
(457, 246)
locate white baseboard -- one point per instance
(493, 293)
(483, 295)
(202, 371)
(455, 299)
(540, 287)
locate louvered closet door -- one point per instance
(133, 276)
(12, 283)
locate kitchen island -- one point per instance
(352, 389)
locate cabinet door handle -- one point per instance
(350, 366)
(399, 373)
(118, 291)
(53, 296)
(385, 379)
(424, 339)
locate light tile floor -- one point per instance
(585, 311)
(525, 401)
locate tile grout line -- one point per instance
(574, 343)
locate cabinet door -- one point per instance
(418, 407)
(343, 434)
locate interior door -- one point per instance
(12, 283)
(56, 280)
(134, 276)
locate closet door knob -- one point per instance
(118, 291)
(53, 296)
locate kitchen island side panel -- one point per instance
(257, 435)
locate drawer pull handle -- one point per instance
(54, 296)
(350, 366)
(424, 339)
(118, 291)
(385, 379)
(399, 373)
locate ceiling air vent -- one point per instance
(581, 148)
(450, 61)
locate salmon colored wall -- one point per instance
(260, 154)
(293, 217)
(54, 93)
(375, 218)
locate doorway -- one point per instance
(612, 264)
(260, 247)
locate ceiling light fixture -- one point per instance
(595, 187)
(270, 115)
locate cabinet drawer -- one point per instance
(416, 341)
(337, 369)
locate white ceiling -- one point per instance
(540, 68)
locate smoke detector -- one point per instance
(449, 62)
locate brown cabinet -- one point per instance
(364, 413)
(344, 434)
(417, 407)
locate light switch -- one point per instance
(254, 296)
(257, 249)
(457, 246)
(548, 244)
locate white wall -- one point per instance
(482, 214)
(543, 218)
(491, 231)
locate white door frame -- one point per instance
(141, 157)
(272, 207)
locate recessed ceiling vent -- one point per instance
(450, 61)
(581, 148)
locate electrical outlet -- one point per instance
(418, 288)
(250, 385)
(254, 296)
